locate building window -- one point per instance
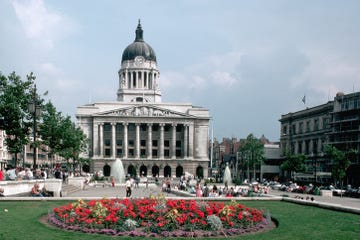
(301, 126)
(284, 130)
(307, 126)
(119, 152)
(178, 153)
(166, 153)
(294, 129)
(316, 124)
(142, 152)
(131, 152)
(154, 153)
(107, 142)
(155, 143)
(107, 152)
(179, 128)
(143, 143)
(167, 128)
(166, 143)
(155, 127)
(178, 144)
(143, 127)
(119, 142)
(131, 143)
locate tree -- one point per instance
(294, 163)
(340, 162)
(252, 151)
(73, 140)
(51, 129)
(15, 95)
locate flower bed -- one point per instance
(157, 216)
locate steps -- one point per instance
(67, 189)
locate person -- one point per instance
(137, 181)
(198, 191)
(128, 186)
(28, 174)
(11, 174)
(214, 192)
(35, 191)
(2, 192)
(205, 190)
(112, 181)
(86, 180)
(1, 175)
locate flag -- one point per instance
(304, 99)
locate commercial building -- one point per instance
(334, 123)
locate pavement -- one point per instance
(142, 191)
(119, 191)
(333, 200)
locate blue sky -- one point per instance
(248, 62)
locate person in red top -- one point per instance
(1, 175)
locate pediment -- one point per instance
(144, 111)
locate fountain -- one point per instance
(227, 175)
(117, 171)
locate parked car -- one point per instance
(275, 185)
(353, 192)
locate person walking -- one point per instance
(128, 186)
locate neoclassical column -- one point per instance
(149, 141)
(161, 143)
(296, 147)
(125, 140)
(191, 140)
(113, 139)
(173, 141)
(101, 140)
(137, 140)
(96, 139)
(186, 136)
(126, 78)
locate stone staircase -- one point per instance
(67, 189)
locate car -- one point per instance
(275, 185)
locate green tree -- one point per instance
(51, 129)
(73, 140)
(252, 152)
(15, 95)
(340, 162)
(294, 163)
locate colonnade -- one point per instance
(130, 143)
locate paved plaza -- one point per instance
(142, 191)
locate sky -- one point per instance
(248, 62)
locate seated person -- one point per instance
(35, 191)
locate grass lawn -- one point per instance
(21, 221)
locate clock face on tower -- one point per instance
(139, 60)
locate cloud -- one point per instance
(219, 71)
(328, 74)
(41, 24)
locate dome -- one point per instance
(138, 48)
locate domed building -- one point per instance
(150, 138)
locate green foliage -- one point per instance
(15, 95)
(294, 163)
(56, 131)
(340, 161)
(252, 152)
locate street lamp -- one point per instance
(35, 110)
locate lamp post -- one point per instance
(35, 110)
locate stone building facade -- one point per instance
(334, 123)
(151, 138)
